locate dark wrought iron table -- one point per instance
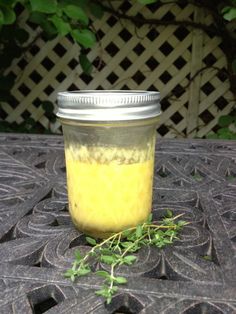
(37, 240)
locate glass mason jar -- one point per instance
(109, 149)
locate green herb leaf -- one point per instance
(102, 273)
(109, 299)
(78, 255)
(76, 13)
(129, 259)
(44, 6)
(229, 13)
(197, 177)
(225, 9)
(169, 213)
(83, 271)
(9, 15)
(181, 223)
(37, 18)
(105, 292)
(207, 258)
(81, 3)
(139, 231)
(116, 251)
(114, 289)
(167, 241)
(85, 64)
(126, 233)
(121, 280)
(41, 19)
(105, 251)
(225, 121)
(47, 106)
(108, 259)
(70, 273)
(102, 292)
(149, 219)
(84, 37)
(62, 27)
(91, 241)
(126, 244)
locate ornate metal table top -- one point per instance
(37, 239)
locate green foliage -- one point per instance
(1, 17)
(6, 82)
(84, 37)
(147, 1)
(38, 18)
(115, 251)
(229, 13)
(224, 131)
(225, 121)
(28, 125)
(169, 213)
(207, 258)
(21, 36)
(96, 10)
(91, 241)
(85, 63)
(63, 28)
(47, 106)
(63, 18)
(54, 17)
(76, 13)
(8, 2)
(9, 15)
(197, 177)
(44, 6)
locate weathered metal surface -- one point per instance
(37, 238)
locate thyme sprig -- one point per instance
(118, 250)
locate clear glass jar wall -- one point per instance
(109, 176)
(109, 168)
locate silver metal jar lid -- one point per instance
(108, 105)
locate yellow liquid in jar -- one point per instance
(108, 197)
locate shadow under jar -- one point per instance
(109, 149)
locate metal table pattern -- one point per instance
(37, 239)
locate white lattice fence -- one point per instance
(130, 57)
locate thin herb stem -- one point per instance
(116, 249)
(132, 245)
(112, 276)
(161, 227)
(177, 216)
